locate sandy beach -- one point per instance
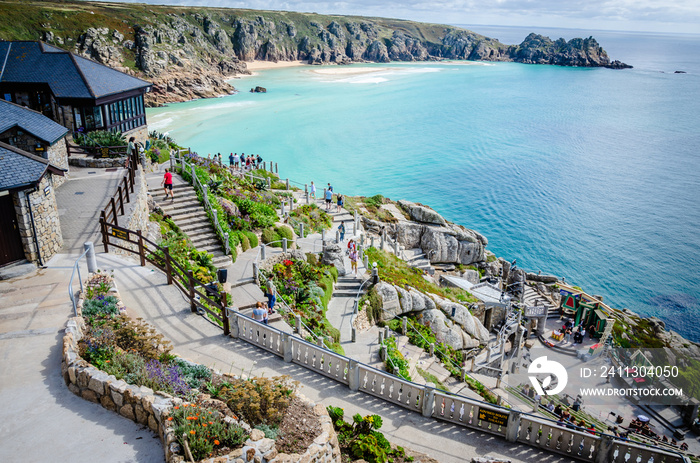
(258, 65)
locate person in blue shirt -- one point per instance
(329, 199)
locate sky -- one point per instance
(682, 16)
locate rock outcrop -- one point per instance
(333, 255)
(459, 331)
(203, 47)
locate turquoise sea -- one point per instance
(589, 174)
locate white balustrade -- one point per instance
(391, 388)
(320, 360)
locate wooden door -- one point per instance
(11, 249)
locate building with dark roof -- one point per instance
(29, 222)
(34, 133)
(74, 91)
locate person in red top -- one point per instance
(168, 184)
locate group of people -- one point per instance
(329, 198)
(574, 335)
(243, 162)
(262, 310)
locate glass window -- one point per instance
(77, 118)
(141, 110)
(97, 111)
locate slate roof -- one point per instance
(68, 75)
(32, 122)
(19, 169)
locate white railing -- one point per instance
(71, 293)
(510, 424)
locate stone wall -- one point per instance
(46, 221)
(135, 212)
(58, 156)
(151, 408)
(56, 153)
(97, 163)
(141, 134)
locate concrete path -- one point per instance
(40, 419)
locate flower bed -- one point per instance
(127, 367)
(314, 219)
(306, 287)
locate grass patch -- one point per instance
(431, 378)
(397, 272)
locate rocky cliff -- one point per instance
(191, 52)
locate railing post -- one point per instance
(90, 257)
(265, 166)
(142, 254)
(287, 347)
(263, 249)
(353, 334)
(277, 171)
(365, 260)
(269, 183)
(306, 187)
(431, 349)
(282, 208)
(605, 449)
(233, 323)
(301, 230)
(404, 326)
(256, 279)
(513, 425)
(224, 316)
(297, 324)
(114, 210)
(307, 197)
(103, 229)
(337, 236)
(287, 183)
(126, 189)
(353, 375)
(190, 284)
(121, 199)
(193, 175)
(380, 337)
(284, 245)
(227, 245)
(168, 265)
(371, 243)
(428, 401)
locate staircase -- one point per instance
(347, 286)
(188, 214)
(416, 258)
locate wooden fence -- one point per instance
(115, 205)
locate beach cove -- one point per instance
(583, 173)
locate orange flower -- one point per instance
(192, 432)
(177, 408)
(211, 422)
(204, 425)
(170, 418)
(216, 442)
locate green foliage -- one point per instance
(271, 432)
(100, 138)
(101, 306)
(204, 430)
(374, 201)
(374, 311)
(194, 374)
(259, 400)
(314, 219)
(395, 359)
(182, 251)
(362, 439)
(274, 235)
(252, 238)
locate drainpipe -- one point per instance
(31, 217)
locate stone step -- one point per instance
(203, 240)
(222, 261)
(190, 213)
(182, 203)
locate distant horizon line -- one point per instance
(576, 29)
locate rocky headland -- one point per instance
(192, 52)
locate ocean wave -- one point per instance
(154, 123)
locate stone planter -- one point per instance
(151, 408)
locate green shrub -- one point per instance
(285, 232)
(252, 238)
(100, 138)
(271, 432)
(100, 307)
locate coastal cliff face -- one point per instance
(191, 52)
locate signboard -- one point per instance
(104, 151)
(535, 311)
(121, 234)
(494, 417)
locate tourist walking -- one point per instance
(353, 261)
(339, 201)
(330, 187)
(167, 184)
(341, 229)
(230, 160)
(259, 313)
(329, 199)
(313, 190)
(131, 147)
(270, 295)
(259, 161)
(352, 246)
(236, 160)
